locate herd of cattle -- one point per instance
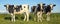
(36, 10)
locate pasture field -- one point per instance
(5, 19)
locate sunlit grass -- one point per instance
(55, 19)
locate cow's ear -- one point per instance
(44, 4)
(4, 5)
(54, 5)
(38, 4)
(20, 5)
(12, 5)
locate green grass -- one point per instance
(5, 19)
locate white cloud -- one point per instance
(3, 11)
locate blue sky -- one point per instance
(56, 9)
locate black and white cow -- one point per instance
(38, 10)
(47, 10)
(18, 9)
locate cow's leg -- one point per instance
(48, 16)
(35, 18)
(38, 16)
(25, 17)
(12, 17)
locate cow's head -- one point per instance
(15, 6)
(33, 8)
(41, 5)
(52, 5)
(8, 6)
